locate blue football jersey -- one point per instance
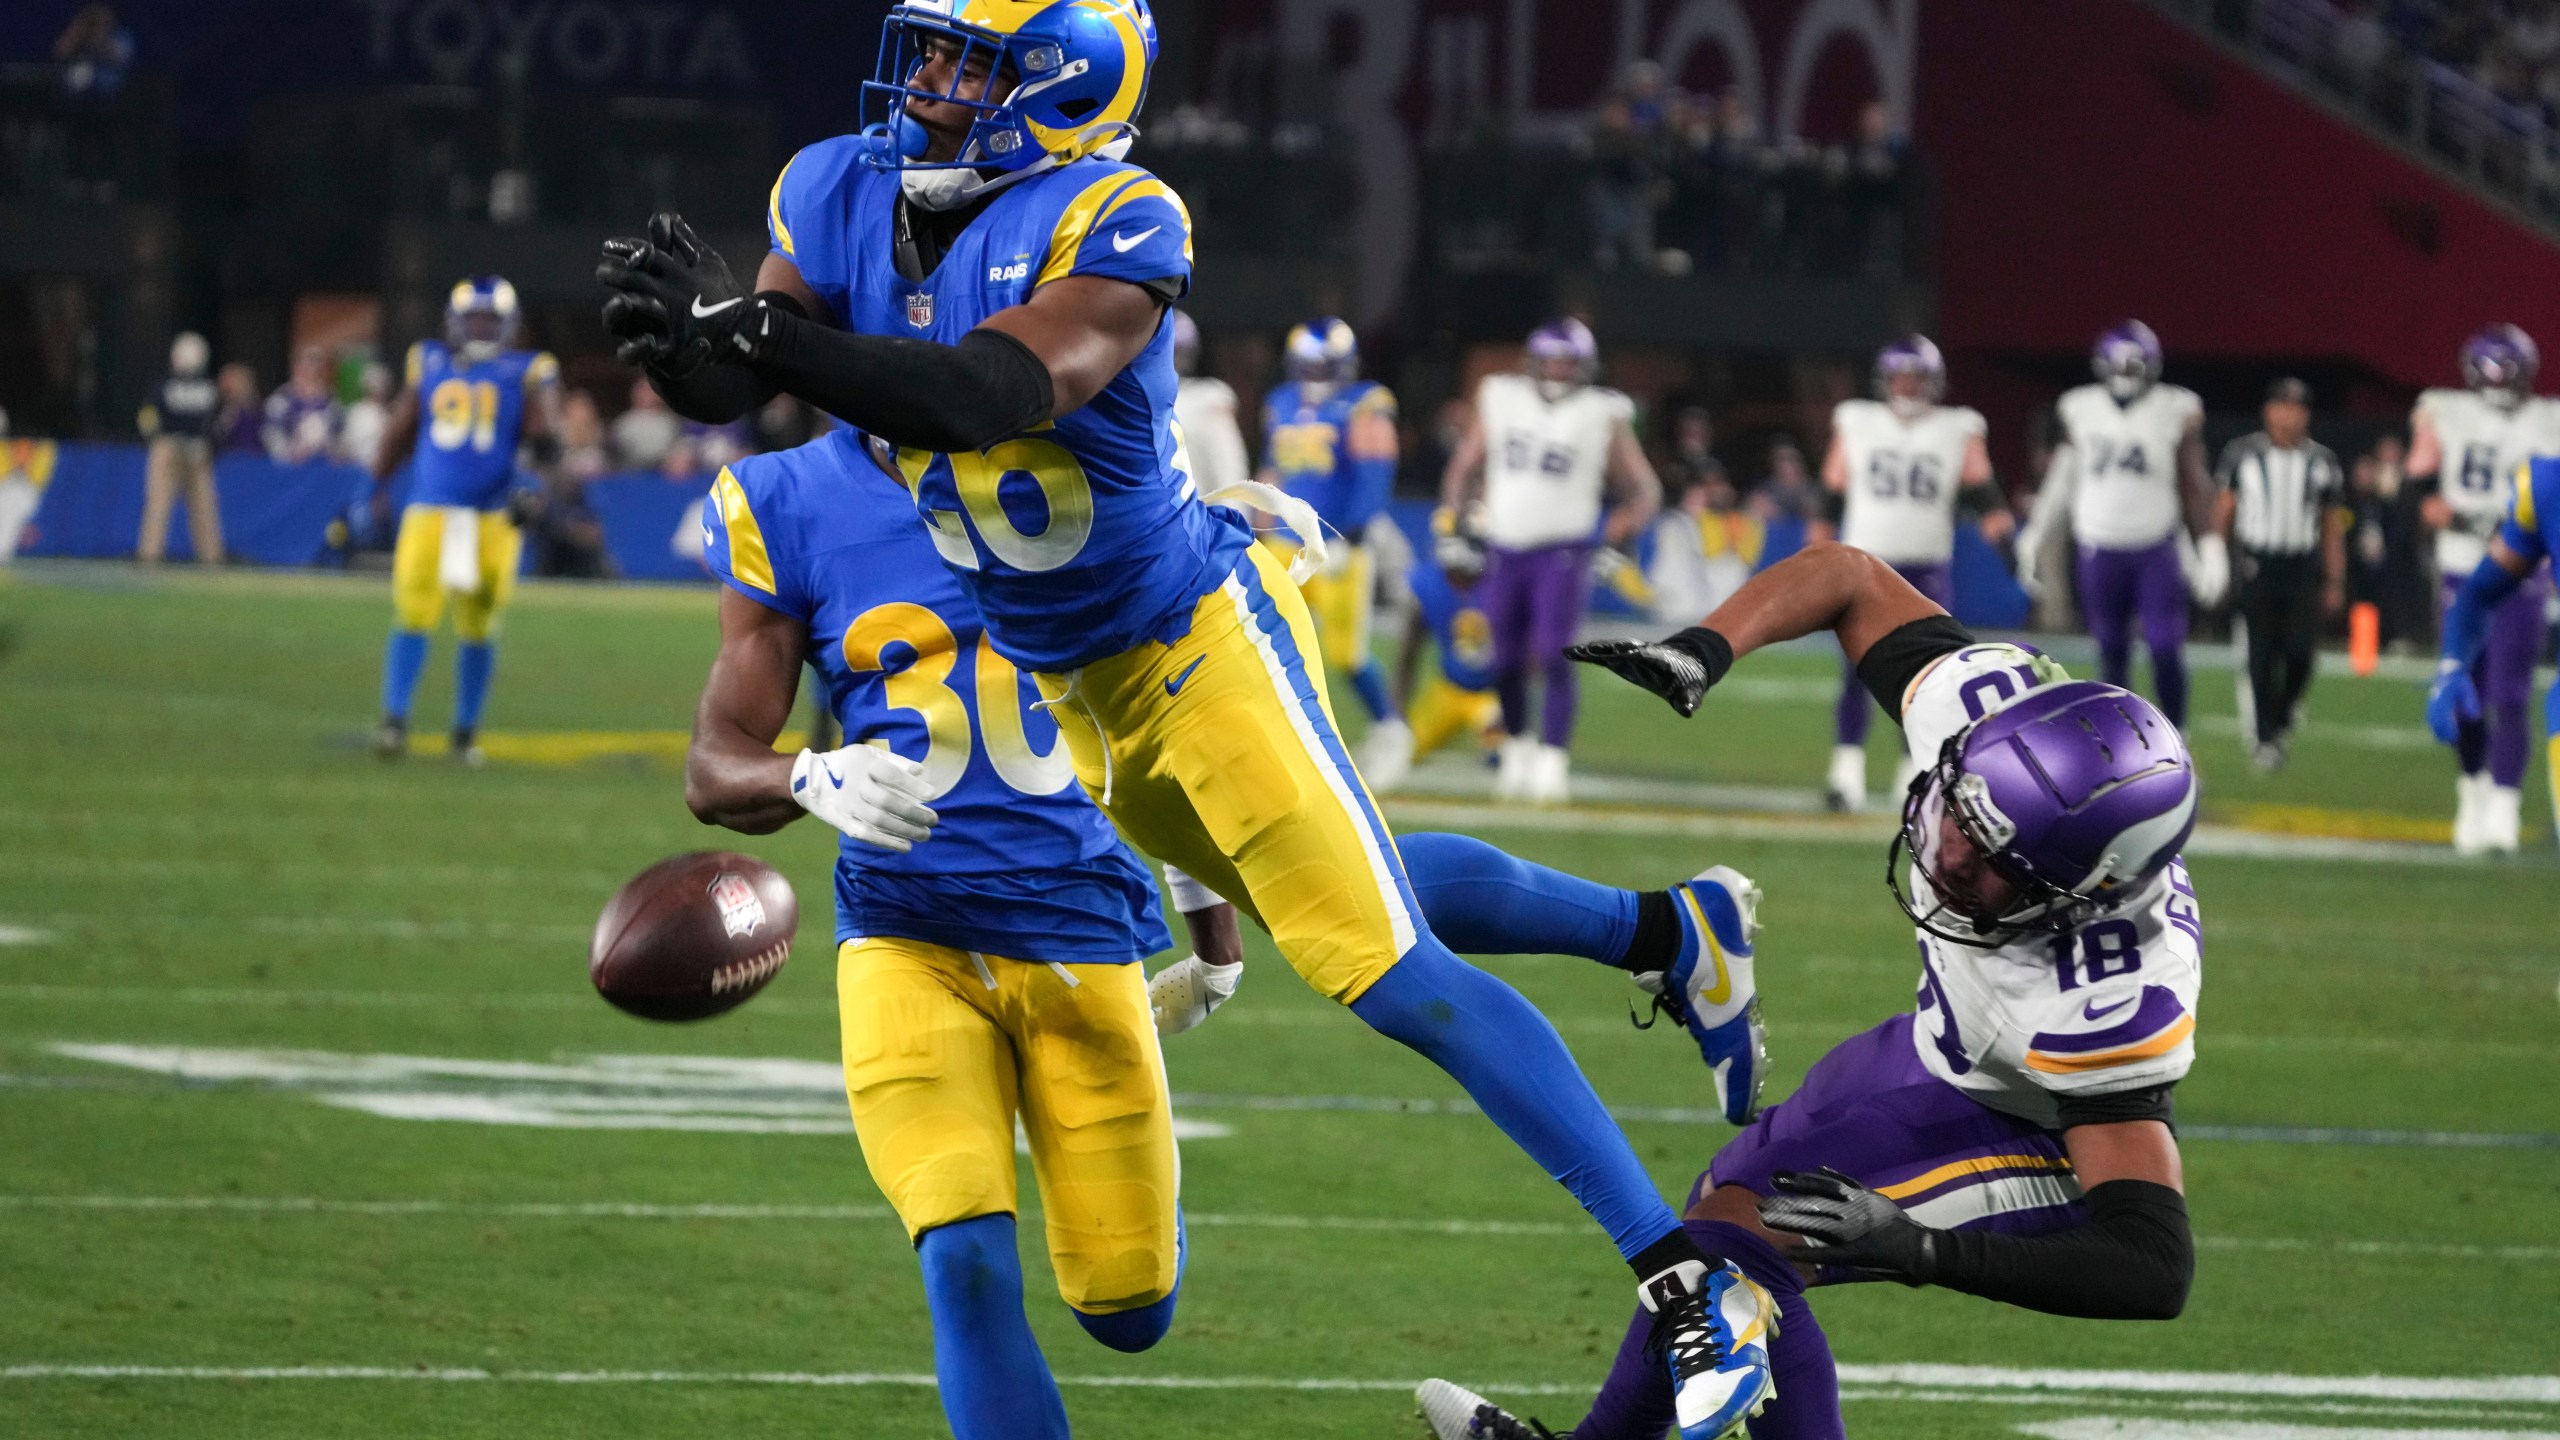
(1306, 440)
(1084, 538)
(1022, 864)
(470, 420)
(2532, 526)
(1461, 631)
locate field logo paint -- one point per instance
(737, 1096)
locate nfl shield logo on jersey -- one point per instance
(741, 912)
(920, 310)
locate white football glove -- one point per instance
(868, 793)
(2028, 580)
(2207, 561)
(1185, 992)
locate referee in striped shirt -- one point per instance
(2279, 510)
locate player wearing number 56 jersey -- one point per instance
(1904, 465)
(981, 282)
(471, 401)
(2466, 446)
(2130, 477)
(985, 973)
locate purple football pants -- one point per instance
(2118, 587)
(2498, 741)
(1534, 600)
(1869, 1108)
(1849, 719)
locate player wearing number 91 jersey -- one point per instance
(987, 917)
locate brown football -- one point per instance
(693, 936)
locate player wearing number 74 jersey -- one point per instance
(982, 282)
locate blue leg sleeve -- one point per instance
(473, 660)
(403, 661)
(995, 1384)
(1480, 901)
(1370, 679)
(1131, 1331)
(1516, 1069)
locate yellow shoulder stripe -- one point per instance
(417, 363)
(749, 563)
(2524, 496)
(2160, 1044)
(1153, 187)
(1078, 221)
(545, 370)
(773, 209)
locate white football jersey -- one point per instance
(2483, 444)
(1903, 478)
(2109, 1007)
(2128, 496)
(1546, 463)
(1205, 408)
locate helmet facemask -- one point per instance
(1005, 140)
(1941, 792)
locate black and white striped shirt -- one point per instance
(2284, 494)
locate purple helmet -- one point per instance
(2501, 360)
(1911, 355)
(2126, 359)
(1186, 343)
(1562, 352)
(2076, 795)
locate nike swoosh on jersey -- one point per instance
(1126, 243)
(700, 313)
(1174, 685)
(2094, 1011)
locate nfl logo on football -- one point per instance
(741, 913)
(920, 311)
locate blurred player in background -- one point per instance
(988, 920)
(2529, 536)
(1458, 698)
(2465, 448)
(180, 422)
(2130, 477)
(1906, 467)
(1329, 438)
(26, 470)
(303, 416)
(1560, 468)
(2011, 1138)
(1206, 408)
(470, 401)
(982, 282)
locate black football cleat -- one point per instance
(465, 750)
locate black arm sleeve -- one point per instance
(1975, 501)
(2158, 1102)
(916, 394)
(1890, 665)
(2134, 1260)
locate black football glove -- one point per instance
(1680, 668)
(675, 303)
(1848, 1225)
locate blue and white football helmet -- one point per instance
(1322, 351)
(480, 317)
(1077, 69)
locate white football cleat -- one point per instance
(1455, 1412)
(2501, 819)
(1711, 990)
(1519, 757)
(1711, 1327)
(2470, 800)
(1386, 756)
(1550, 776)
(1845, 790)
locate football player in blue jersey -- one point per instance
(1459, 700)
(1329, 438)
(981, 281)
(985, 974)
(471, 401)
(2529, 536)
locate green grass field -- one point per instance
(227, 1241)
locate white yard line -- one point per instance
(1968, 1384)
(1198, 1220)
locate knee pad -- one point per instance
(1131, 1331)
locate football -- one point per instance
(693, 936)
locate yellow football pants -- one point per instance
(1340, 598)
(1218, 754)
(944, 1049)
(418, 592)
